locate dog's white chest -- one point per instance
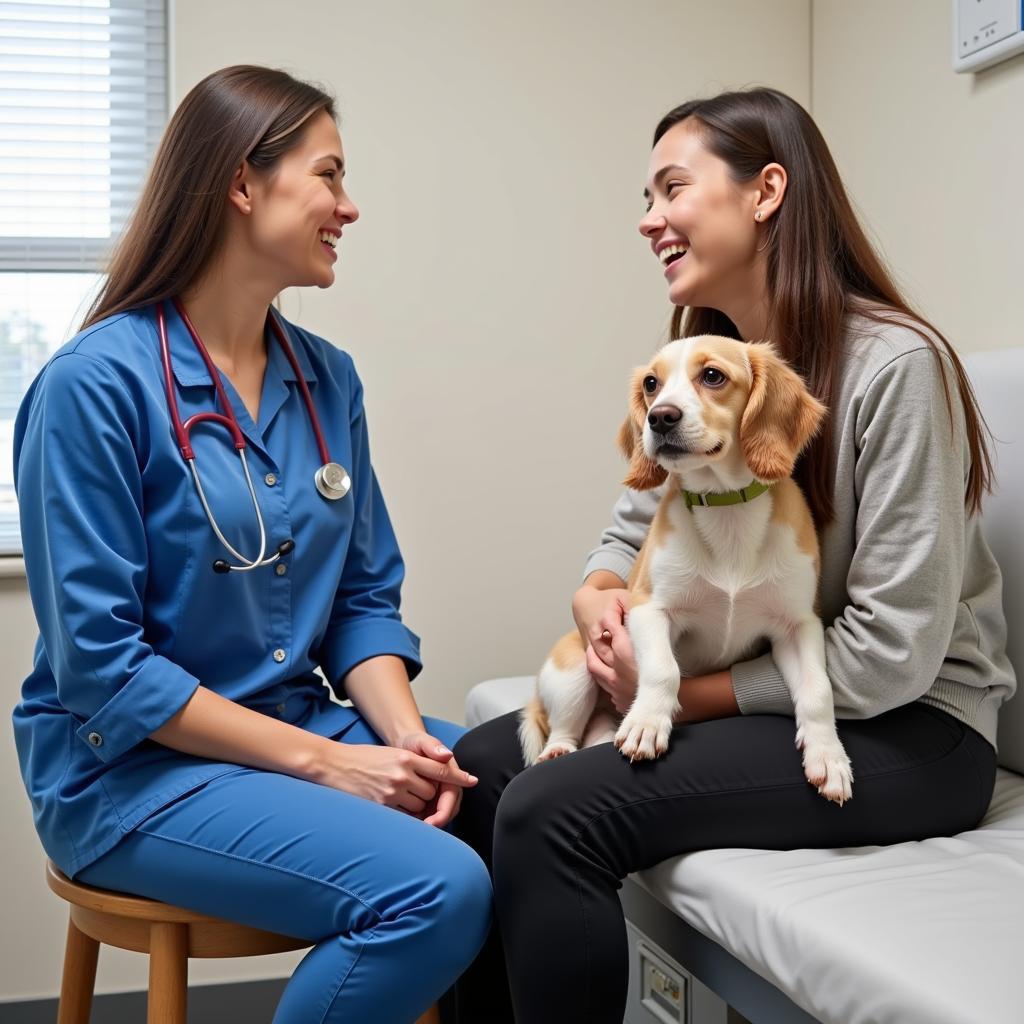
(729, 550)
(728, 578)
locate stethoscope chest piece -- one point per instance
(332, 481)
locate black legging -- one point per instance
(559, 837)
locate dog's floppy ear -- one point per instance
(781, 415)
(644, 473)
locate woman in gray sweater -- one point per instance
(760, 242)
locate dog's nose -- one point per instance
(663, 418)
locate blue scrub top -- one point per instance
(119, 555)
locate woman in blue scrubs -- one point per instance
(173, 735)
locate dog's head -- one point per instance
(708, 400)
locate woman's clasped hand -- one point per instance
(601, 619)
(419, 776)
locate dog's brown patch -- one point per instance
(639, 582)
(789, 507)
(644, 473)
(568, 652)
(780, 417)
(535, 713)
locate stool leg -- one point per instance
(79, 977)
(168, 973)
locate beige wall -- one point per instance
(494, 295)
(933, 159)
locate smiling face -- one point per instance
(700, 223)
(297, 212)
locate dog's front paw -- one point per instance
(558, 748)
(643, 737)
(828, 768)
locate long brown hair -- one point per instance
(242, 112)
(820, 268)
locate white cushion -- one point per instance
(496, 697)
(914, 933)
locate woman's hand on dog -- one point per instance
(612, 663)
(591, 604)
(601, 616)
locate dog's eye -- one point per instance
(650, 384)
(712, 377)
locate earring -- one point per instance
(757, 216)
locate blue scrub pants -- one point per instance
(397, 909)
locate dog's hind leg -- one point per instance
(800, 655)
(568, 695)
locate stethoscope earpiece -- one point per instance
(286, 547)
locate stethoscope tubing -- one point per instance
(182, 433)
(259, 518)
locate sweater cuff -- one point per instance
(613, 561)
(759, 687)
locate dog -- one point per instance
(722, 421)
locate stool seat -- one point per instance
(169, 934)
(125, 922)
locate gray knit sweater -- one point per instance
(910, 593)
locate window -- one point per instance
(83, 101)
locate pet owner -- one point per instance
(759, 241)
(189, 577)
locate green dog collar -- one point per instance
(745, 494)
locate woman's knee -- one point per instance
(464, 907)
(533, 803)
(470, 883)
(548, 810)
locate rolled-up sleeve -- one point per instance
(80, 499)
(365, 620)
(904, 581)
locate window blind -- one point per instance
(83, 102)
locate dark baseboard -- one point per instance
(251, 1002)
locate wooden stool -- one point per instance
(170, 935)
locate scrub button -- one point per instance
(279, 654)
(280, 709)
(270, 479)
(95, 739)
(280, 568)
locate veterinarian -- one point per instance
(753, 231)
(173, 736)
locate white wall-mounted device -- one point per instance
(986, 32)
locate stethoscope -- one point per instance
(331, 479)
